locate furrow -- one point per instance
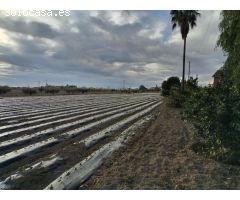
(60, 121)
(93, 139)
(6, 158)
(56, 115)
(75, 176)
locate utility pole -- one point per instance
(189, 70)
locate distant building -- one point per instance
(217, 77)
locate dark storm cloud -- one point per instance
(135, 45)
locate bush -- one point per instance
(177, 98)
(83, 90)
(215, 112)
(52, 89)
(41, 89)
(142, 88)
(72, 89)
(4, 89)
(29, 91)
(172, 82)
(192, 83)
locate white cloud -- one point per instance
(153, 32)
(201, 42)
(6, 69)
(5, 39)
(137, 46)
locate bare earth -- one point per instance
(160, 156)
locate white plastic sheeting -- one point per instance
(35, 146)
(26, 150)
(91, 140)
(105, 113)
(79, 173)
(19, 130)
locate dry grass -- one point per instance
(161, 157)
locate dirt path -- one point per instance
(161, 157)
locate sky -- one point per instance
(105, 49)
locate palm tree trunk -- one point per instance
(183, 73)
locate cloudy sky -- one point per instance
(103, 48)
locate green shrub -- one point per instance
(215, 112)
(4, 89)
(72, 89)
(41, 89)
(192, 83)
(177, 98)
(52, 89)
(172, 82)
(142, 88)
(29, 91)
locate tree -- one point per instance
(229, 41)
(169, 84)
(4, 89)
(142, 88)
(41, 89)
(29, 91)
(52, 89)
(192, 83)
(214, 111)
(184, 19)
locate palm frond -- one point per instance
(174, 26)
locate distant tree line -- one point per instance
(70, 90)
(53, 90)
(4, 89)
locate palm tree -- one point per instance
(184, 19)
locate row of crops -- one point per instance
(57, 142)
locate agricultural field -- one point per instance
(57, 142)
